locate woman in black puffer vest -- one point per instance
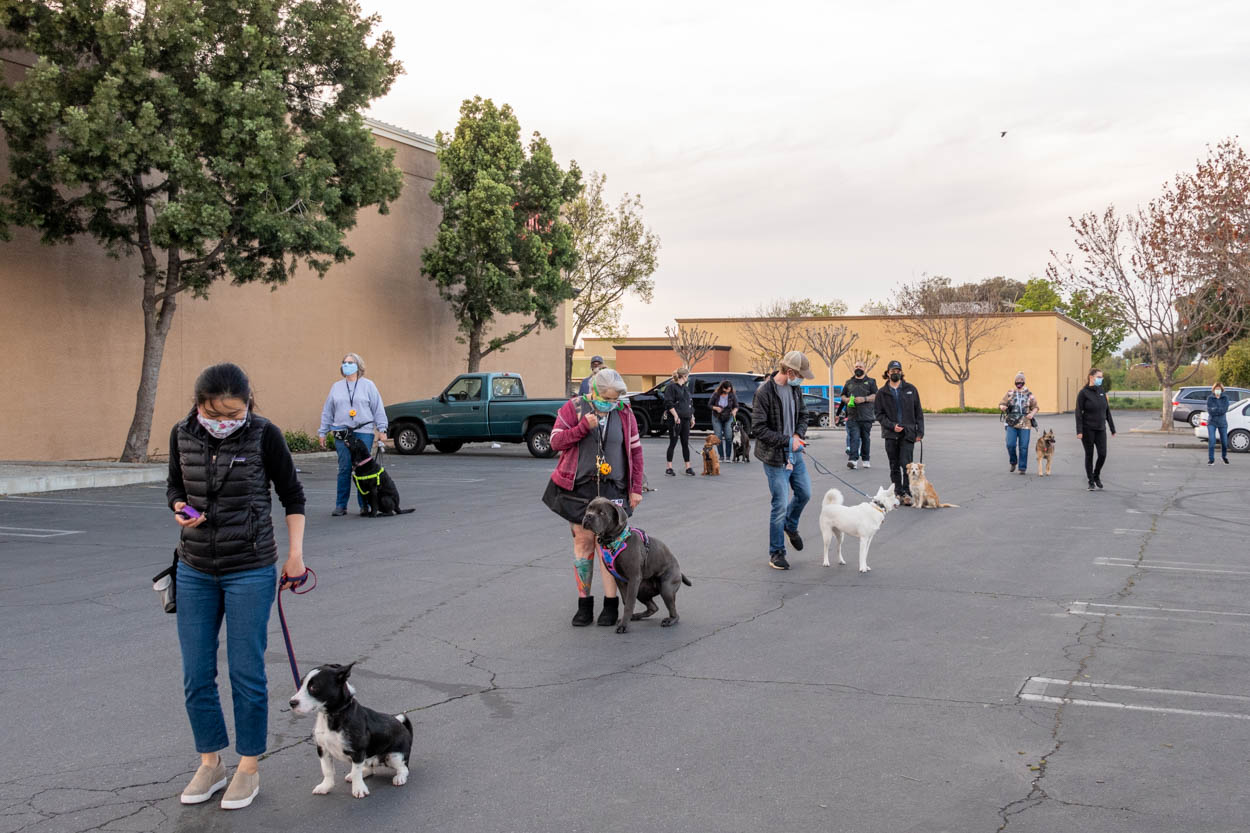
(222, 458)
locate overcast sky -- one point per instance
(833, 150)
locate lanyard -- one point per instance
(351, 392)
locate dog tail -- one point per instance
(948, 506)
(833, 498)
(685, 580)
(405, 511)
(407, 724)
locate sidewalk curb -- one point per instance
(34, 483)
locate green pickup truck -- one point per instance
(475, 408)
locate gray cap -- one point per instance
(598, 359)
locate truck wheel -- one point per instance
(538, 439)
(644, 424)
(448, 446)
(409, 439)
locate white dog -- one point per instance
(862, 521)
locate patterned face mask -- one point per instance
(220, 428)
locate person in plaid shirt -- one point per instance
(1019, 406)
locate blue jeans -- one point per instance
(858, 439)
(725, 433)
(243, 599)
(1018, 437)
(345, 484)
(1212, 430)
(783, 517)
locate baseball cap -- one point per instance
(795, 360)
(894, 365)
(598, 359)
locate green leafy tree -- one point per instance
(1235, 365)
(1103, 316)
(807, 308)
(616, 256)
(1039, 295)
(213, 140)
(502, 246)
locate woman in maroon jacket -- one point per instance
(600, 456)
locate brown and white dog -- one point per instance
(923, 494)
(1045, 451)
(711, 457)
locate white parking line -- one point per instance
(35, 532)
(1035, 687)
(1086, 605)
(1156, 565)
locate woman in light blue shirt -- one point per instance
(354, 404)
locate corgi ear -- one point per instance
(345, 671)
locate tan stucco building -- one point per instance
(1051, 349)
(71, 329)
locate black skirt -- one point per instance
(571, 505)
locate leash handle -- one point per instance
(292, 584)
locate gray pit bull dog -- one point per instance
(646, 566)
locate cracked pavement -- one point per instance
(816, 699)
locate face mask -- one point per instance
(220, 428)
(1218, 392)
(794, 383)
(1098, 382)
(348, 368)
(894, 377)
(605, 405)
(858, 373)
(1019, 384)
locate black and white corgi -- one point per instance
(346, 730)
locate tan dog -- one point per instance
(923, 494)
(1045, 451)
(711, 457)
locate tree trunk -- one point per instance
(568, 370)
(1166, 415)
(475, 348)
(833, 408)
(961, 396)
(156, 324)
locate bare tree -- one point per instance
(1142, 260)
(769, 333)
(864, 355)
(690, 343)
(951, 337)
(831, 342)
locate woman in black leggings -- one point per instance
(1093, 418)
(680, 410)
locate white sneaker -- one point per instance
(867, 464)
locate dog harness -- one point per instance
(376, 477)
(610, 552)
(878, 505)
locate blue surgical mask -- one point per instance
(794, 383)
(349, 368)
(604, 405)
(1098, 382)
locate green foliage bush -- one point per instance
(1126, 403)
(1234, 367)
(301, 442)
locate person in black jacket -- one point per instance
(779, 426)
(902, 425)
(222, 458)
(1093, 418)
(859, 393)
(679, 408)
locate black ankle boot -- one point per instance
(608, 616)
(585, 612)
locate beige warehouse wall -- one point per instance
(73, 317)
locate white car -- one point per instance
(1238, 426)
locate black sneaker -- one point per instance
(691, 472)
(1212, 462)
(1226, 462)
(338, 510)
(670, 473)
(1091, 485)
(796, 540)
(1098, 482)
(778, 562)
(1013, 468)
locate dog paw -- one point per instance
(664, 623)
(865, 570)
(622, 628)
(359, 790)
(400, 779)
(323, 787)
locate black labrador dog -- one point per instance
(375, 485)
(647, 568)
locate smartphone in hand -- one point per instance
(188, 512)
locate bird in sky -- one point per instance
(1001, 135)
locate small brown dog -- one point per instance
(711, 457)
(1045, 451)
(923, 494)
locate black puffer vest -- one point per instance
(226, 480)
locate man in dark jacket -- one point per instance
(779, 426)
(859, 392)
(902, 424)
(596, 364)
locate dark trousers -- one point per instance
(1094, 438)
(679, 430)
(858, 439)
(900, 453)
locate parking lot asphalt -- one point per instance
(1041, 658)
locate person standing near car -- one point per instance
(596, 364)
(1093, 419)
(902, 426)
(1217, 421)
(600, 456)
(858, 395)
(679, 408)
(353, 404)
(724, 412)
(779, 426)
(1019, 406)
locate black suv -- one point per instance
(1188, 403)
(649, 407)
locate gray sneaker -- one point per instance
(207, 780)
(243, 788)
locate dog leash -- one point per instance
(823, 469)
(293, 584)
